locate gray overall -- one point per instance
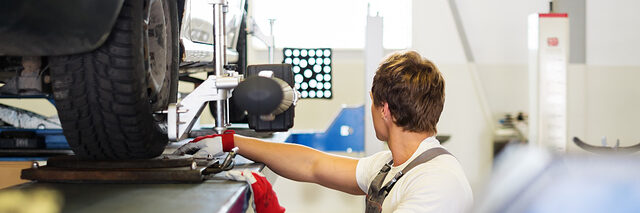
(377, 193)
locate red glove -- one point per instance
(264, 198)
(208, 146)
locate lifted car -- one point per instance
(111, 64)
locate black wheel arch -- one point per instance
(53, 27)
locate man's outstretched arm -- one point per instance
(302, 163)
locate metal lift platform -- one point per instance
(184, 187)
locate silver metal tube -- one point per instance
(219, 60)
(271, 48)
(271, 54)
(226, 117)
(219, 39)
(220, 114)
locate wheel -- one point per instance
(106, 98)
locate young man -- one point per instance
(416, 175)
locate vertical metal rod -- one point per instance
(226, 117)
(271, 48)
(219, 60)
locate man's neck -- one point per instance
(403, 144)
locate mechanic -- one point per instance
(416, 175)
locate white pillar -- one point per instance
(549, 56)
(373, 53)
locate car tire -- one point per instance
(107, 99)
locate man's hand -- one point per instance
(208, 146)
(264, 198)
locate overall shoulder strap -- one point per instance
(425, 157)
(422, 158)
(377, 192)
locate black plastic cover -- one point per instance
(258, 95)
(283, 121)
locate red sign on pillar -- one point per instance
(552, 41)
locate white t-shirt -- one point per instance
(438, 185)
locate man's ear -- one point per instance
(386, 114)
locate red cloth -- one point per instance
(264, 197)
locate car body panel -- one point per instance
(196, 33)
(54, 27)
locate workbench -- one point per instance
(214, 195)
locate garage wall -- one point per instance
(603, 95)
(497, 29)
(613, 33)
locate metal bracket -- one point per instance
(182, 116)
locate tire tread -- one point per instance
(101, 97)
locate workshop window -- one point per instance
(332, 23)
(311, 71)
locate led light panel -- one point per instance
(311, 71)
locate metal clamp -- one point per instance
(226, 165)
